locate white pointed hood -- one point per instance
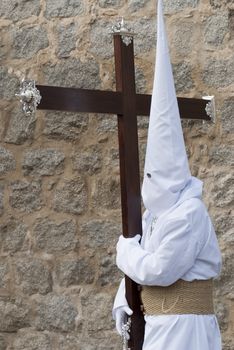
(166, 172)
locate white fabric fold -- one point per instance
(161, 267)
(166, 170)
(182, 245)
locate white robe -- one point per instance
(181, 245)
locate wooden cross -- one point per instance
(127, 105)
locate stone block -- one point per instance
(111, 161)
(20, 128)
(228, 236)
(227, 115)
(67, 35)
(14, 315)
(145, 40)
(183, 77)
(17, 10)
(178, 5)
(216, 28)
(106, 193)
(231, 23)
(64, 8)
(143, 124)
(31, 340)
(99, 33)
(54, 237)
(224, 226)
(108, 271)
(110, 3)
(4, 45)
(3, 344)
(106, 124)
(72, 72)
(65, 126)
(28, 41)
(12, 235)
(222, 155)
(1, 199)
(71, 342)
(141, 81)
(71, 196)
(219, 73)
(227, 343)
(183, 37)
(26, 196)
(216, 4)
(97, 234)
(222, 191)
(78, 272)
(98, 305)
(107, 341)
(221, 312)
(55, 313)
(4, 271)
(32, 276)
(198, 128)
(43, 162)
(87, 161)
(7, 161)
(95, 340)
(136, 5)
(225, 280)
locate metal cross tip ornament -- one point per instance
(210, 107)
(125, 334)
(29, 96)
(122, 29)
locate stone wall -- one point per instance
(59, 175)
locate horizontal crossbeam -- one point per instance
(109, 102)
(79, 100)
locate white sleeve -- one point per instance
(175, 255)
(120, 299)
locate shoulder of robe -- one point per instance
(192, 209)
(189, 217)
(194, 212)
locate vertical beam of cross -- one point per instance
(129, 172)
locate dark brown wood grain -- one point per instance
(129, 173)
(79, 100)
(190, 108)
(109, 102)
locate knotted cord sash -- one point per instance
(182, 297)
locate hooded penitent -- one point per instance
(181, 244)
(166, 171)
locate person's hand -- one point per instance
(124, 242)
(121, 317)
(123, 248)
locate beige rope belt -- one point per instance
(180, 298)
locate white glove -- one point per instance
(123, 249)
(121, 317)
